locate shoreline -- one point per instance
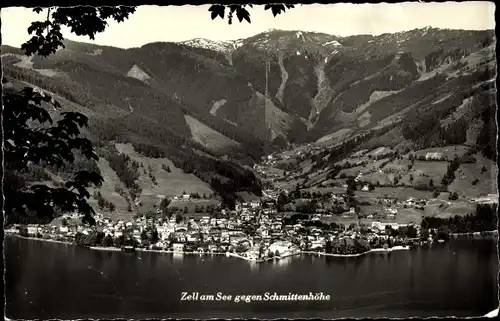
(235, 255)
(483, 233)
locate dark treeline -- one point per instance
(485, 219)
(339, 152)
(125, 168)
(423, 125)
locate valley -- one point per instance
(328, 108)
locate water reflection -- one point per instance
(284, 262)
(254, 266)
(178, 257)
(402, 284)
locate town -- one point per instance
(341, 216)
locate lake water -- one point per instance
(48, 280)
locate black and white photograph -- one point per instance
(240, 161)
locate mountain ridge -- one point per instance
(274, 90)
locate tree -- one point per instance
(179, 217)
(47, 144)
(431, 183)
(164, 205)
(144, 237)
(54, 145)
(241, 12)
(424, 234)
(282, 201)
(107, 241)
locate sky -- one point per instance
(178, 23)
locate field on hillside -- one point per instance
(378, 178)
(317, 177)
(447, 152)
(324, 190)
(466, 174)
(364, 169)
(423, 172)
(339, 220)
(444, 209)
(396, 192)
(109, 193)
(168, 184)
(398, 166)
(191, 206)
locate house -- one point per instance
(160, 245)
(391, 211)
(63, 229)
(317, 244)
(186, 197)
(178, 247)
(282, 247)
(255, 203)
(181, 228)
(32, 229)
(365, 188)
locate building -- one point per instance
(282, 247)
(381, 226)
(255, 203)
(178, 247)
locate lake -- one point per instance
(50, 280)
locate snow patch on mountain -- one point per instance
(218, 104)
(221, 46)
(96, 52)
(284, 78)
(324, 94)
(334, 43)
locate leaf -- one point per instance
(217, 10)
(242, 13)
(276, 9)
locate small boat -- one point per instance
(128, 248)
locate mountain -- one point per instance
(212, 108)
